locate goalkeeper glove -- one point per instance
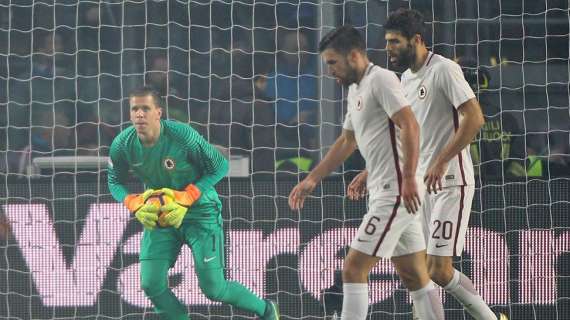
(174, 214)
(186, 198)
(176, 210)
(133, 202)
(147, 214)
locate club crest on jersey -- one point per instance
(359, 104)
(169, 164)
(422, 92)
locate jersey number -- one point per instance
(370, 227)
(446, 228)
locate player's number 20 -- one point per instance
(444, 228)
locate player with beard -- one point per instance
(380, 123)
(449, 117)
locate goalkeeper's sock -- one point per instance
(463, 290)
(168, 306)
(427, 303)
(355, 301)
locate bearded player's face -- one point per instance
(340, 67)
(145, 114)
(401, 50)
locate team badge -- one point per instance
(169, 164)
(359, 104)
(423, 92)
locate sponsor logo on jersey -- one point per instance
(359, 103)
(450, 177)
(169, 164)
(422, 92)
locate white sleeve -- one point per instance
(388, 91)
(454, 85)
(348, 122)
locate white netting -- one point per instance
(247, 75)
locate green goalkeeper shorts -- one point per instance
(206, 240)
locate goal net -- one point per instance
(247, 75)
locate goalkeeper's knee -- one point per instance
(153, 286)
(214, 290)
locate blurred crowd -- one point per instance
(248, 81)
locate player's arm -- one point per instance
(469, 126)
(391, 97)
(459, 93)
(202, 154)
(410, 140)
(118, 171)
(214, 164)
(343, 147)
(409, 136)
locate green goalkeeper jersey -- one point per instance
(181, 156)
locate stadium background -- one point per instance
(248, 77)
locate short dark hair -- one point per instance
(408, 22)
(343, 39)
(147, 91)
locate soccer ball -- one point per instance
(158, 199)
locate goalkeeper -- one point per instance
(173, 158)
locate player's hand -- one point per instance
(134, 202)
(410, 195)
(300, 192)
(434, 175)
(147, 215)
(186, 198)
(173, 214)
(357, 188)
